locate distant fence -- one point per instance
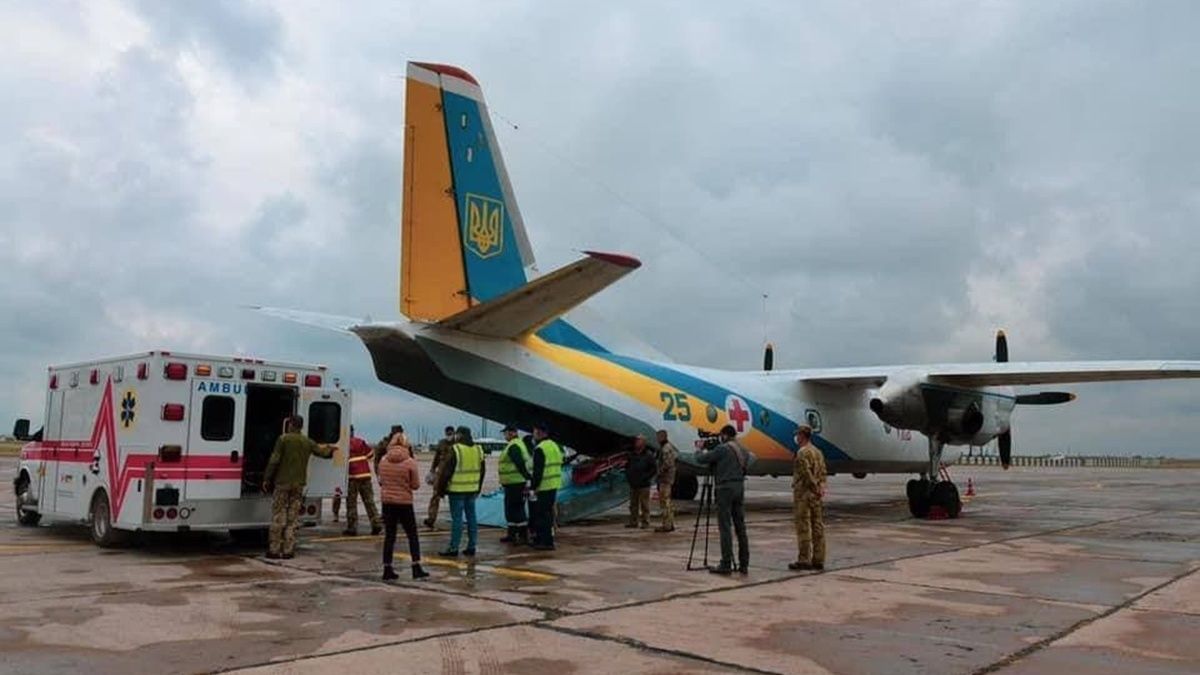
(1071, 461)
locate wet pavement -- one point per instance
(1088, 570)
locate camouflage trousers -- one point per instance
(361, 487)
(665, 506)
(810, 529)
(285, 516)
(639, 507)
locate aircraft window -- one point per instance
(325, 422)
(216, 418)
(462, 121)
(470, 154)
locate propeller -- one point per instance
(769, 357)
(1004, 440)
(1045, 398)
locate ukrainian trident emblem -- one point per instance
(484, 231)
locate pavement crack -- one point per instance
(642, 646)
(1046, 642)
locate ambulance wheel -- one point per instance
(945, 495)
(24, 517)
(685, 488)
(918, 498)
(102, 530)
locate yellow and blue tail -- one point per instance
(462, 238)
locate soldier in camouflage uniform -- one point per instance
(445, 448)
(286, 474)
(808, 488)
(667, 454)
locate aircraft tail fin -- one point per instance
(538, 303)
(463, 241)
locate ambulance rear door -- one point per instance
(327, 421)
(211, 465)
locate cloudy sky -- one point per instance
(900, 179)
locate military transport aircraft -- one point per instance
(483, 336)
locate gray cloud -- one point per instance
(901, 181)
(244, 36)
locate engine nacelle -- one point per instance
(910, 402)
(962, 421)
(900, 404)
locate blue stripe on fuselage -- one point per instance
(777, 425)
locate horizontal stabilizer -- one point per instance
(537, 303)
(316, 319)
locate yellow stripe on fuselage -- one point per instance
(649, 392)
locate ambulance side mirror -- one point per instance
(21, 430)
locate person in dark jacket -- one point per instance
(640, 471)
(728, 463)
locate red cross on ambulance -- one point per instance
(738, 413)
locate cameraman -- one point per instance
(728, 463)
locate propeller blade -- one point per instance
(1045, 398)
(1004, 440)
(1001, 347)
(769, 357)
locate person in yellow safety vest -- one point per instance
(360, 482)
(514, 475)
(462, 480)
(546, 480)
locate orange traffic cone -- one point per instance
(970, 488)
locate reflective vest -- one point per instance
(552, 470)
(360, 459)
(468, 467)
(509, 474)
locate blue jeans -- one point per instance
(461, 504)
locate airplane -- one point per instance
(483, 333)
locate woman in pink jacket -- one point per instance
(398, 479)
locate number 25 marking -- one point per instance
(677, 406)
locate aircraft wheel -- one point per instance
(24, 517)
(918, 498)
(103, 533)
(685, 488)
(945, 495)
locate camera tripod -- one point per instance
(705, 512)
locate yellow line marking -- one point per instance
(513, 572)
(502, 571)
(371, 537)
(17, 549)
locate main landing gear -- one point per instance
(934, 496)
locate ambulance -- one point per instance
(163, 442)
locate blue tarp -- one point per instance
(575, 502)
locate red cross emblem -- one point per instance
(738, 412)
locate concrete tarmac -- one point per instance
(1065, 570)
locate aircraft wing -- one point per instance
(537, 303)
(1064, 372)
(327, 321)
(1012, 373)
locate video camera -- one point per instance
(708, 440)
